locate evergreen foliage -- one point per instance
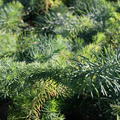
(59, 59)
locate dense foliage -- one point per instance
(59, 59)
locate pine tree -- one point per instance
(55, 51)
